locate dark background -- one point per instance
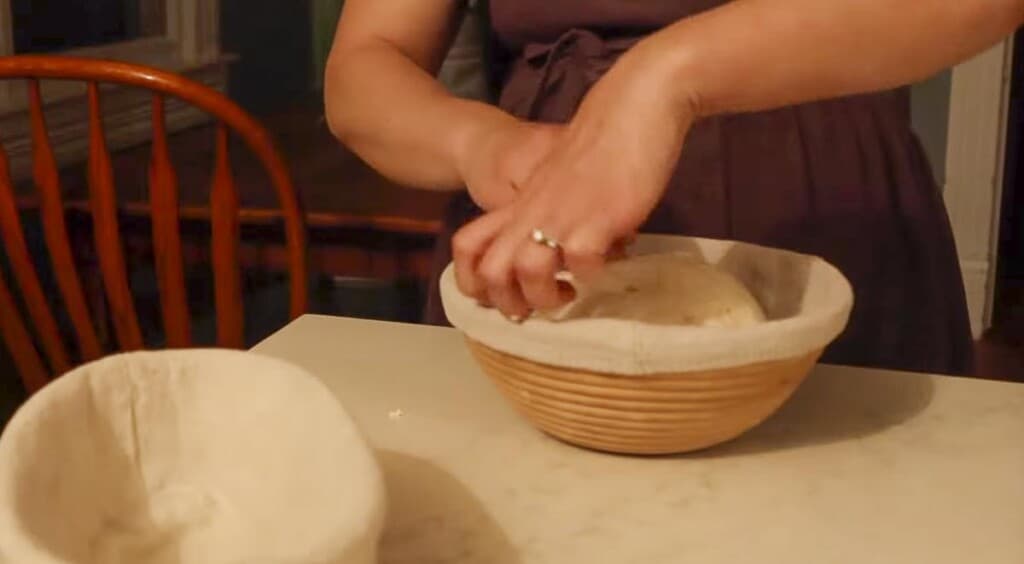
(42, 26)
(1010, 266)
(274, 42)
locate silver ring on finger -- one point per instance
(538, 236)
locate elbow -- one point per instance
(335, 98)
(345, 93)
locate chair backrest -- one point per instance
(164, 203)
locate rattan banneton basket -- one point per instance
(635, 388)
(658, 414)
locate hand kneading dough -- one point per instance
(666, 289)
(187, 457)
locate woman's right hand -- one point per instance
(500, 155)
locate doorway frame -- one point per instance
(975, 159)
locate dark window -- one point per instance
(44, 26)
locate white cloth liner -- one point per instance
(807, 302)
(197, 456)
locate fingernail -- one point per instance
(515, 318)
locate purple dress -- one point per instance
(845, 179)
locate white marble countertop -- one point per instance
(860, 466)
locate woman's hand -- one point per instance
(595, 188)
(499, 155)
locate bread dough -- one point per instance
(195, 457)
(666, 289)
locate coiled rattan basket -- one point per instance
(658, 414)
(630, 388)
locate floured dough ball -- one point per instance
(667, 289)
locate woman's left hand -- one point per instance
(596, 188)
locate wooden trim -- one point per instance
(974, 171)
(181, 26)
(195, 26)
(208, 42)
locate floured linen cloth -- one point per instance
(187, 457)
(677, 304)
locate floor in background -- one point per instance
(1000, 361)
(1001, 351)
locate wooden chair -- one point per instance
(164, 216)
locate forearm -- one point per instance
(758, 54)
(398, 118)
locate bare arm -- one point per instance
(383, 100)
(623, 144)
(758, 54)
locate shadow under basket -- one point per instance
(659, 414)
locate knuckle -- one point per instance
(469, 288)
(507, 303)
(532, 267)
(582, 248)
(462, 244)
(493, 275)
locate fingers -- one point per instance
(506, 295)
(499, 264)
(535, 267)
(468, 247)
(498, 270)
